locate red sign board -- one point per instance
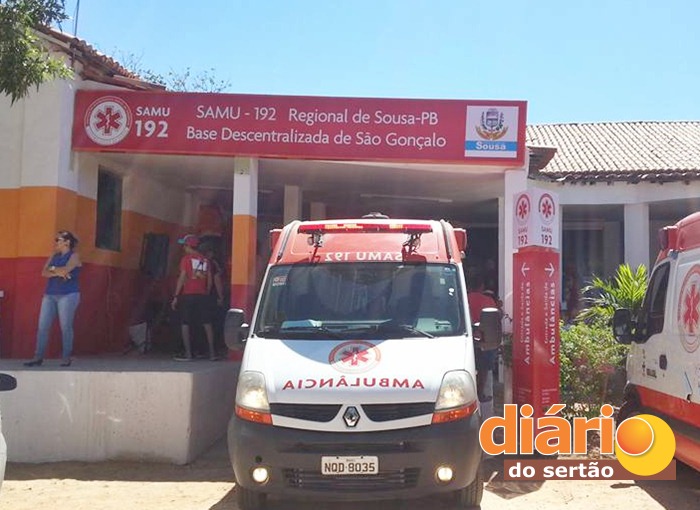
(408, 130)
(536, 327)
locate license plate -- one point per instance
(362, 465)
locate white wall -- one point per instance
(140, 193)
(35, 136)
(124, 409)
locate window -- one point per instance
(651, 320)
(109, 211)
(353, 299)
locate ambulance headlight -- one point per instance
(457, 390)
(251, 392)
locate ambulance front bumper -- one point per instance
(408, 459)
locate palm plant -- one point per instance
(625, 290)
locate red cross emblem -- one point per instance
(354, 356)
(691, 314)
(108, 120)
(546, 208)
(522, 209)
(689, 310)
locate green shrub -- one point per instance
(592, 363)
(625, 290)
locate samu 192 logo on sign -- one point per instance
(108, 120)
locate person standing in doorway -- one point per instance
(217, 300)
(192, 296)
(61, 297)
(485, 358)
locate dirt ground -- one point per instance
(206, 485)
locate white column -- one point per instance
(318, 211)
(611, 247)
(292, 203)
(637, 234)
(501, 245)
(245, 186)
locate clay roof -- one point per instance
(619, 151)
(96, 66)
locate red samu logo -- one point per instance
(108, 120)
(689, 310)
(522, 209)
(546, 208)
(354, 357)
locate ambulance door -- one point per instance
(650, 357)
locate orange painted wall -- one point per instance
(113, 290)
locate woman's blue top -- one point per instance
(57, 285)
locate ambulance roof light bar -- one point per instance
(327, 228)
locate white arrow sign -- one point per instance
(524, 269)
(549, 269)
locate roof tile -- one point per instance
(629, 151)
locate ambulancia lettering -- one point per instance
(354, 382)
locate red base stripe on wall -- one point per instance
(111, 300)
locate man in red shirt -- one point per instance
(485, 359)
(192, 296)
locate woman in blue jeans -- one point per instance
(61, 297)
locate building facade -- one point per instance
(128, 199)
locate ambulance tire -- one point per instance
(250, 500)
(629, 408)
(470, 496)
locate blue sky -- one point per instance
(572, 61)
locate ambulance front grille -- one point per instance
(384, 480)
(309, 412)
(389, 412)
(337, 448)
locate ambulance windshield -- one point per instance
(375, 299)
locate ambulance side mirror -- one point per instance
(490, 327)
(622, 326)
(235, 330)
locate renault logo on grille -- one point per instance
(351, 416)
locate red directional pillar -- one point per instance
(536, 300)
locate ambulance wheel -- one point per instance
(629, 408)
(250, 500)
(471, 495)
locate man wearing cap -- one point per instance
(192, 295)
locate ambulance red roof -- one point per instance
(363, 240)
(684, 235)
(688, 232)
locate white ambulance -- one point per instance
(663, 365)
(357, 380)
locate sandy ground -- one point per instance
(206, 485)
